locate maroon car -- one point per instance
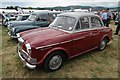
(69, 35)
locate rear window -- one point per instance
(84, 22)
(95, 22)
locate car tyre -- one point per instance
(103, 44)
(53, 62)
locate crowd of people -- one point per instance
(107, 15)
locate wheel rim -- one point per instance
(55, 62)
(102, 45)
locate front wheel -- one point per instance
(102, 45)
(53, 61)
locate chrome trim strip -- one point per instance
(54, 44)
(81, 30)
(30, 66)
(25, 53)
(59, 43)
(78, 38)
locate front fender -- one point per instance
(53, 50)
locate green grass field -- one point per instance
(94, 64)
(0, 51)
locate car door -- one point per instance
(96, 29)
(42, 20)
(81, 37)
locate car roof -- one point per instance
(40, 12)
(76, 14)
(24, 14)
(46, 12)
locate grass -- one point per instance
(94, 64)
(0, 52)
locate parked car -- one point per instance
(69, 35)
(36, 20)
(22, 17)
(7, 17)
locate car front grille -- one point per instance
(12, 33)
(25, 55)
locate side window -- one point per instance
(95, 22)
(42, 18)
(84, 23)
(51, 17)
(77, 26)
(24, 17)
(100, 23)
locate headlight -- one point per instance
(18, 35)
(28, 48)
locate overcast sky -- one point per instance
(53, 3)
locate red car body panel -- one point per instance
(73, 44)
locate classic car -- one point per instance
(7, 17)
(36, 20)
(19, 17)
(69, 35)
(22, 17)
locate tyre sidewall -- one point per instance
(47, 60)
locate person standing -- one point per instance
(104, 17)
(108, 17)
(114, 16)
(118, 28)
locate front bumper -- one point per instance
(12, 35)
(30, 66)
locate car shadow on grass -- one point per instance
(84, 56)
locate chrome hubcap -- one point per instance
(103, 44)
(55, 62)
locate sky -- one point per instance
(53, 3)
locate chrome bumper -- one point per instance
(11, 35)
(24, 62)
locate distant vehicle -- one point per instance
(7, 17)
(22, 17)
(81, 10)
(69, 35)
(35, 20)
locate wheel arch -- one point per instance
(106, 37)
(65, 53)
